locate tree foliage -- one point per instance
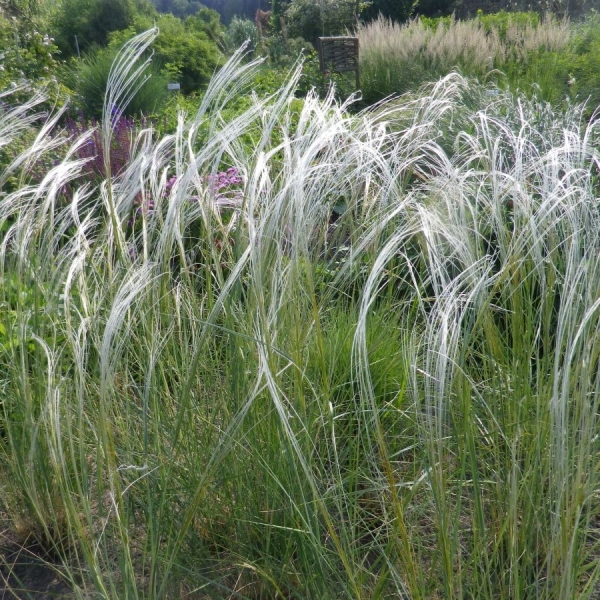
(188, 54)
(396, 10)
(238, 32)
(28, 9)
(437, 8)
(186, 51)
(179, 8)
(226, 8)
(310, 19)
(205, 21)
(27, 52)
(91, 21)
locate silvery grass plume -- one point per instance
(175, 417)
(127, 75)
(506, 279)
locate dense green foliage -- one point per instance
(92, 21)
(27, 52)
(397, 10)
(226, 8)
(238, 33)
(310, 19)
(88, 79)
(179, 8)
(90, 34)
(186, 51)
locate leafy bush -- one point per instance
(91, 21)
(395, 10)
(184, 51)
(88, 79)
(205, 21)
(583, 63)
(179, 8)
(342, 84)
(502, 22)
(27, 58)
(559, 72)
(285, 51)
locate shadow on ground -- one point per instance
(26, 574)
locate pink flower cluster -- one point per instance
(225, 187)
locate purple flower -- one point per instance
(170, 184)
(225, 187)
(123, 131)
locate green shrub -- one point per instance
(184, 51)
(395, 10)
(343, 84)
(28, 58)
(88, 78)
(91, 21)
(555, 71)
(285, 51)
(502, 22)
(583, 64)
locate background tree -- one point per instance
(226, 8)
(91, 21)
(396, 10)
(179, 8)
(205, 21)
(238, 32)
(310, 19)
(21, 8)
(185, 51)
(437, 8)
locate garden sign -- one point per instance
(339, 55)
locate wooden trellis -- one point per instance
(339, 55)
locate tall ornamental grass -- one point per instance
(397, 58)
(304, 354)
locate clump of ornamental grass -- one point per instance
(505, 274)
(352, 356)
(398, 58)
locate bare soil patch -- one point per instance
(27, 572)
